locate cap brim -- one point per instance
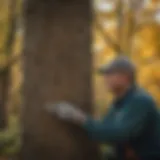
(110, 70)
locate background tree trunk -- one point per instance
(5, 72)
(57, 66)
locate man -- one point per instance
(132, 122)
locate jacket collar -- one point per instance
(127, 95)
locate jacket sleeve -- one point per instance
(129, 125)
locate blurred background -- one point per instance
(131, 28)
(127, 27)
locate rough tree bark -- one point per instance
(57, 66)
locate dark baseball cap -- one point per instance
(118, 65)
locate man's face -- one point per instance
(116, 81)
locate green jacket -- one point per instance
(133, 119)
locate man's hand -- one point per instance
(66, 111)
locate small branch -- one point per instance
(108, 39)
(120, 19)
(130, 30)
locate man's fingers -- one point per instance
(64, 111)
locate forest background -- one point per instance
(130, 28)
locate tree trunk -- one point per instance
(120, 19)
(4, 84)
(57, 67)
